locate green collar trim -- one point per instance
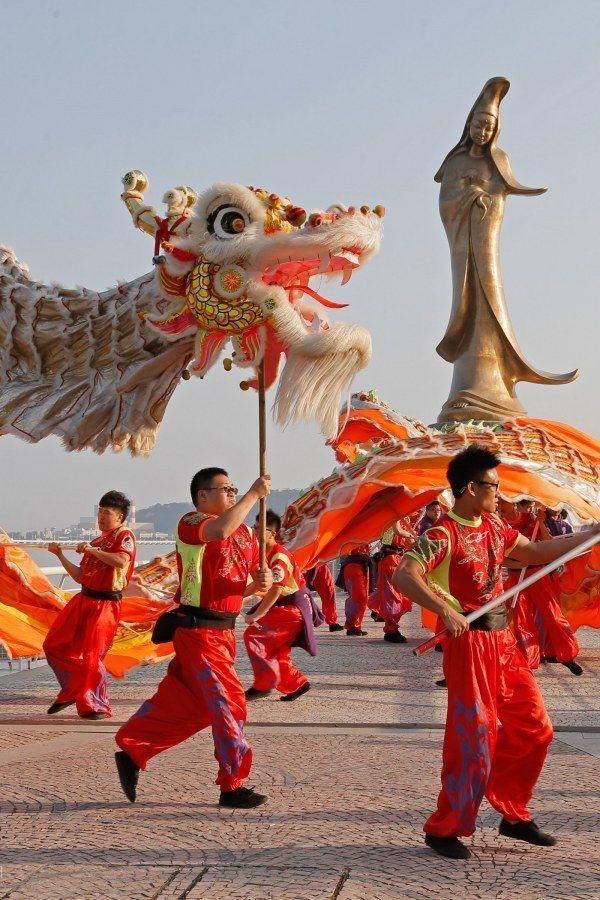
(470, 523)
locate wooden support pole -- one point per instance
(262, 464)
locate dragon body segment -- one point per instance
(232, 266)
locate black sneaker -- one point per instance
(526, 831)
(335, 626)
(438, 648)
(355, 632)
(241, 798)
(254, 694)
(94, 716)
(441, 682)
(56, 707)
(450, 847)
(295, 694)
(573, 667)
(394, 637)
(376, 617)
(128, 774)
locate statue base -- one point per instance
(467, 406)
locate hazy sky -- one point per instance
(321, 101)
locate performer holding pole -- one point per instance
(82, 633)
(455, 569)
(216, 554)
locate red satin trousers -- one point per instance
(201, 688)
(489, 685)
(78, 641)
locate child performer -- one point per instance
(283, 619)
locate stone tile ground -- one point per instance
(351, 770)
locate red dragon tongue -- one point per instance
(330, 304)
(294, 275)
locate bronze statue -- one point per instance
(475, 180)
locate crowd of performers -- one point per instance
(448, 561)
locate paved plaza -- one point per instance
(351, 770)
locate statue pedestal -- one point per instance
(466, 406)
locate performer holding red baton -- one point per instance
(455, 569)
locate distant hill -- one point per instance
(165, 516)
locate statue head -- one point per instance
(483, 122)
(482, 128)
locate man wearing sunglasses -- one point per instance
(454, 569)
(217, 554)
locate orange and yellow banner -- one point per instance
(29, 603)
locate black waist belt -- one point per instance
(200, 617)
(286, 601)
(495, 620)
(100, 595)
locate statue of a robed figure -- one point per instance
(475, 180)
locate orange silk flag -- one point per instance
(579, 585)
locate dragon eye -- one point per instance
(227, 222)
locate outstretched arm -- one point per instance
(539, 553)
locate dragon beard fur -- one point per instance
(320, 365)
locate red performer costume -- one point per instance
(455, 567)
(82, 633)
(386, 601)
(320, 579)
(216, 555)
(356, 572)
(540, 627)
(488, 680)
(270, 637)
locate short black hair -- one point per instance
(116, 500)
(433, 503)
(469, 465)
(273, 520)
(203, 478)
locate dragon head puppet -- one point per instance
(233, 265)
(240, 268)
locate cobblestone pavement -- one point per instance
(351, 770)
